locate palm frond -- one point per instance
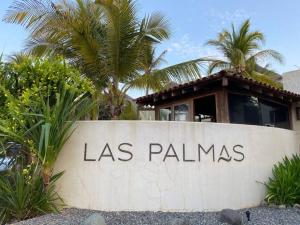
(267, 54)
(217, 65)
(155, 27)
(182, 72)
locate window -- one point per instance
(181, 112)
(245, 109)
(298, 113)
(205, 109)
(165, 114)
(274, 115)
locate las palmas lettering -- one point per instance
(157, 151)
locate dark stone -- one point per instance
(231, 216)
(94, 219)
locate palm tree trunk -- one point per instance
(95, 110)
(116, 102)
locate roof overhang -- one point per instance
(221, 79)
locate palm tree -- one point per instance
(153, 77)
(242, 52)
(105, 39)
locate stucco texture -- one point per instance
(187, 180)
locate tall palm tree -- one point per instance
(153, 77)
(242, 51)
(104, 38)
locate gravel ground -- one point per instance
(259, 216)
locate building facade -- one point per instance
(224, 98)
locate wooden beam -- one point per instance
(258, 90)
(225, 82)
(196, 88)
(246, 86)
(173, 94)
(222, 108)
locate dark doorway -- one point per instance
(205, 109)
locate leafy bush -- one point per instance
(284, 186)
(40, 101)
(29, 79)
(23, 195)
(45, 128)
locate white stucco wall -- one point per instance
(291, 81)
(142, 185)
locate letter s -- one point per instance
(125, 151)
(239, 153)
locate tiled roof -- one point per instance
(218, 76)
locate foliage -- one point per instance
(129, 112)
(24, 79)
(105, 39)
(284, 186)
(23, 195)
(45, 128)
(242, 52)
(41, 101)
(28, 77)
(267, 80)
(153, 76)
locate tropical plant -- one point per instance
(23, 195)
(43, 129)
(241, 50)
(104, 38)
(129, 112)
(25, 81)
(26, 77)
(284, 186)
(153, 77)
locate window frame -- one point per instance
(172, 106)
(264, 99)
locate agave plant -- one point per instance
(23, 195)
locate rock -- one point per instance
(281, 207)
(179, 221)
(272, 205)
(231, 216)
(296, 206)
(263, 203)
(94, 219)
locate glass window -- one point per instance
(243, 109)
(298, 113)
(252, 110)
(165, 114)
(181, 112)
(274, 115)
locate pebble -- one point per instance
(259, 216)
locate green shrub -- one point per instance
(284, 186)
(23, 195)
